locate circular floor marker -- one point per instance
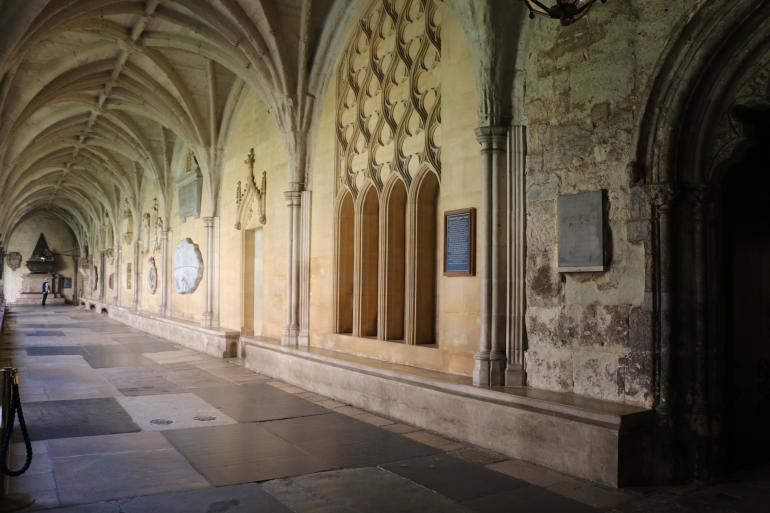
(204, 418)
(161, 422)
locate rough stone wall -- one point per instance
(590, 333)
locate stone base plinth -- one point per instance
(32, 283)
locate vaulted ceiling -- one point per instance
(98, 95)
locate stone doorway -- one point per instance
(746, 199)
(252, 282)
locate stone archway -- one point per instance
(690, 139)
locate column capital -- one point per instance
(293, 198)
(492, 138)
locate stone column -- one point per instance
(102, 279)
(75, 279)
(116, 284)
(489, 361)
(135, 277)
(661, 198)
(304, 282)
(207, 320)
(163, 274)
(516, 331)
(291, 329)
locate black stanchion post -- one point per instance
(9, 501)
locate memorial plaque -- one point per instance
(582, 232)
(188, 267)
(66, 283)
(189, 194)
(460, 242)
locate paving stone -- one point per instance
(108, 474)
(592, 494)
(478, 455)
(257, 402)
(529, 499)
(180, 356)
(533, 474)
(54, 350)
(135, 381)
(80, 417)
(366, 490)
(45, 333)
(246, 498)
(182, 410)
(340, 441)
(327, 403)
(374, 420)
(433, 440)
(242, 453)
(453, 477)
(99, 357)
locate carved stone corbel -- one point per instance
(245, 197)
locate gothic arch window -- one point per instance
(393, 295)
(344, 265)
(367, 254)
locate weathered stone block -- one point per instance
(550, 369)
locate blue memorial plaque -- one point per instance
(459, 242)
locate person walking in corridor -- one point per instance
(46, 290)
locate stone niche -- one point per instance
(188, 267)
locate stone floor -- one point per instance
(126, 422)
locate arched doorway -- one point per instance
(746, 264)
(705, 212)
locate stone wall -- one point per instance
(585, 84)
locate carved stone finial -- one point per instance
(244, 197)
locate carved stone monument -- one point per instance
(42, 264)
(188, 267)
(14, 260)
(189, 186)
(152, 276)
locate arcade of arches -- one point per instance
(272, 180)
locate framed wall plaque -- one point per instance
(582, 222)
(460, 242)
(66, 283)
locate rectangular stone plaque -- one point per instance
(189, 194)
(66, 283)
(460, 242)
(582, 232)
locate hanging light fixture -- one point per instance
(567, 11)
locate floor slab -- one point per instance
(529, 499)
(172, 411)
(366, 490)
(105, 470)
(48, 420)
(454, 478)
(242, 453)
(340, 441)
(254, 402)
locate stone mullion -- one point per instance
(116, 284)
(101, 276)
(358, 267)
(410, 268)
(135, 277)
(382, 267)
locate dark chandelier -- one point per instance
(567, 11)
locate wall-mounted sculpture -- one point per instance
(189, 186)
(42, 259)
(246, 198)
(110, 254)
(146, 224)
(152, 275)
(14, 260)
(188, 267)
(128, 225)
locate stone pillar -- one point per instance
(291, 329)
(207, 320)
(661, 198)
(75, 279)
(135, 277)
(116, 284)
(163, 274)
(304, 281)
(516, 331)
(102, 279)
(489, 361)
